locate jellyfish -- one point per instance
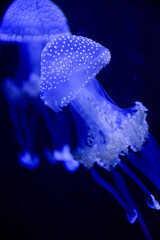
(30, 24)
(108, 136)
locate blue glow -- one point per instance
(68, 62)
(108, 136)
(64, 156)
(30, 24)
(107, 132)
(29, 161)
(131, 213)
(32, 21)
(67, 158)
(147, 160)
(69, 67)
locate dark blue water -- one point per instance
(49, 202)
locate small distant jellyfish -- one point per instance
(106, 133)
(30, 24)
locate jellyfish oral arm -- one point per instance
(68, 69)
(131, 213)
(112, 131)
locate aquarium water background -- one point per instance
(49, 202)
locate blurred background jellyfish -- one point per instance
(29, 25)
(108, 136)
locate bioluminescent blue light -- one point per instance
(107, 133)
(67, 66)
(29, 161)
(32, 20)
(30, 24)
(64, 156)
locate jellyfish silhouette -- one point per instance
(107, 134)
(30, 24)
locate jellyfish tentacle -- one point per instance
(69, 67)
(66, 157)
(26, 131)
(130, 213)
(147, 162)
(16, 124)
(30, 24)
(18, 117)
(123, 189)
(31, 161)
(113, 130)
(45, 113)
(153, 146)
(150, 199)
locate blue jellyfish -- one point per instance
(108, 136)
(32, 21)
(30, 24)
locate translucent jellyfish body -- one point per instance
(68, 76)
(106, 133)
(31, 20)
(30, 24)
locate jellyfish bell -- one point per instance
(71, 68)
(29, 25)
(69, 65)
(32, 20)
